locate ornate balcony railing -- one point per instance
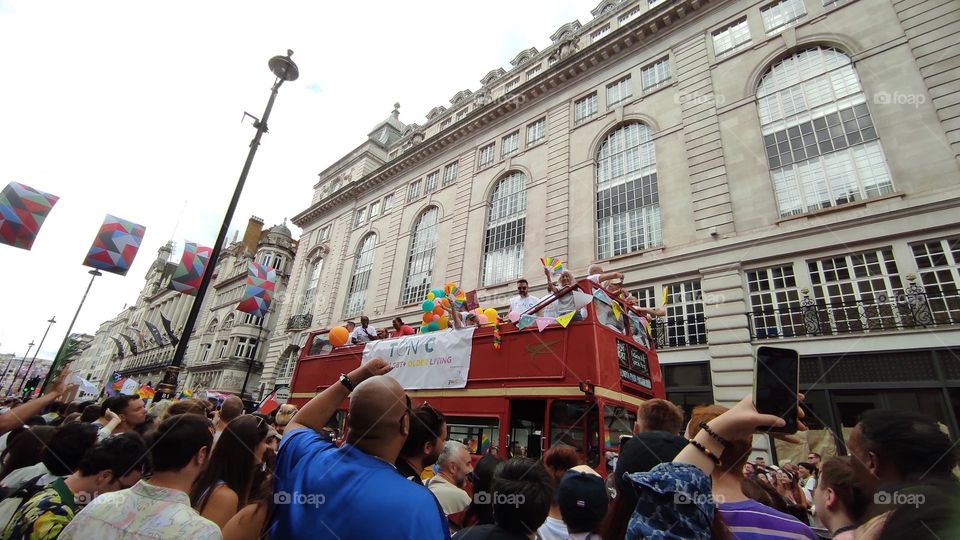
(299, 322)
(914, 308)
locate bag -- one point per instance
(11, 499)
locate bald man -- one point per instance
(353, 491)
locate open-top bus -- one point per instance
(578, 385)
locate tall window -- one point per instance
(536, 131)
(486, 155)
(423, 244)
(310, 291)
(506, 227)
(510, 144)
(685, 322)
(244, 348)
(387, 202)
(362, 268)
(361, 217)
(374, 209)
(251, 319)
(731, 39)
(413, 192)
(938, 262)
(775, 302)
(857, 292)
(780, 15)
(450, 173)
(656, 74)
(619, 91)
(433, 181)
(585, 108)
(822, 147)
(512, 84)
(628, 204)
(531, 73)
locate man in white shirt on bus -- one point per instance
(523, 301)
(365, 332)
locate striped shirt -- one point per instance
(750, 520)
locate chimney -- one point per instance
(252, 235)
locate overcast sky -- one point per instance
(134, 109)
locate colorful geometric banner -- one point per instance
(115, 246)
(261, 282)
(119, 347)
(186, 278)
(22, 211)
(543, 322)
(169, 329)
(525, 321)
(565, 319)
(155, 332)
(553, 264)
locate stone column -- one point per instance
(728, 333)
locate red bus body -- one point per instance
(578, 385)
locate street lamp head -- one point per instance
(30, 344)
(52, 319)
(283, 67)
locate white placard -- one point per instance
(421, 361)
(282, 395)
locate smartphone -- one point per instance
(776, 384)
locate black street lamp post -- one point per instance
(51, 322)
(14, 379)
(285, 70)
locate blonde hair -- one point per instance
(285, 414)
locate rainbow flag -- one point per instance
(553, 264)
(607, 442)
(484, 444)
(186, 394)
(118, 383)
(146, 392)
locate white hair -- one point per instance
(449, 452)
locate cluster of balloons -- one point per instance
(435, 311)
(486, 316)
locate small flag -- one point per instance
(22, 212)
(666, 295)
(155, 332)
(525, 321)
(261, 282)
(565, 319)
(146, 392)
(138, 333)
(616, 310)
(111, 388)
(169, 329)
(553, 264)
(115, 246)
(484, 443)
(269, 404)
(581, 298)
(129, 340)
(186, 394)
(543, 322)
(119, 347)
(602, 296)
(186, 278)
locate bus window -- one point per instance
(479, 435)
(575, 424)
(526, 428)
(617, 422)
(320, 345)
(638, 327)
(606, 316)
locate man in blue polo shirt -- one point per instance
(354, 491)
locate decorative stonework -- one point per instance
(566, 48)
(566, 31)
(460, 96)
(492, 76)
(436, 111)
(524, 56)
(604, 7)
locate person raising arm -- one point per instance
(16, 417)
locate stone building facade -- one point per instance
(785, 172)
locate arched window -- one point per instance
(362, 268)
(506, 228)
(213, 326)
(628, 203)
(228, 322)
(822, 147)
(310, 291)
(423, 244)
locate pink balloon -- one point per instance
(482, 319)
(513, 316)
(436, 317)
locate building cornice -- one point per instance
(623, 39)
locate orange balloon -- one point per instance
(427, 317)
(445, 302)
(339, 336)
(438, 309)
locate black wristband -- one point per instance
(713, 434)
(713, 457)
(345, 381)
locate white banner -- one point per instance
(130, 387)
(421, 361)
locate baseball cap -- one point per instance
(582, 498)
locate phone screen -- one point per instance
(777, 377)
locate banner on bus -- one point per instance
(426, 361)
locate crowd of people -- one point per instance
(118, 469)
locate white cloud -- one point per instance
(132, 108)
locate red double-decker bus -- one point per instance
(579, 386)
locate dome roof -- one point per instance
(281, 229)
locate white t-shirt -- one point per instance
(552, 529)
(521, 305)
(451, 498)
(363, 335)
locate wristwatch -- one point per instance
(345, 381)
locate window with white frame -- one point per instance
(414, 191)
(585, 108)
(387, 202)
(310, 291)
(272, 260)
(361, 217)
(775, 302)
(645, 297)
(324, 234)
(244, 347)
(486, 155)
(512, 84)
(374, 209)
(938, 265)
(360, 280)
(656, 74)
(599, 33)
(628, 16)
(251, 319)
(731, 38)
(857, 292)
(228, 322)
(433, 181)
(206, 352)
(628, 202)
(506, 228)
(423, 245)
(531, 73)
(462, 113)
(450, 173)
(619, 90)
(286, 366)
(536, 131)
(822, 147)
(780, 15)
(510, 144)
(445, 123)
(223, 349)
(685, 323)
